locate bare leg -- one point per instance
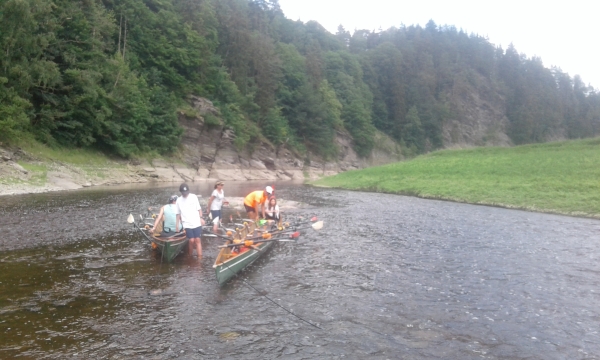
(198, 246)
(191, 247)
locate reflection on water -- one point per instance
(387, 277)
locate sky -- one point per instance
(565, 34)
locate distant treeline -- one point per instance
(112, 74)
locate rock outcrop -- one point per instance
(207, 153)
(210, 149)
(477, 116)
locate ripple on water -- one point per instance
(387, 277)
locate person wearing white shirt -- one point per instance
(189, 213)
(215, 203)
(272, 209)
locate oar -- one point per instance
(210, 233)
(131, 220)
(316, 226)
(251, 243)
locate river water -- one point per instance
(388, 277)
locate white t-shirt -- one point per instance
(217, 202)
(188, 208)
(272, 212)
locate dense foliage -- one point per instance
(112, 73)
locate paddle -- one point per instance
(316, 226)
(131, 220)
(251, 243)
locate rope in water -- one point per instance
(275, 302)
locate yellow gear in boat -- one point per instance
(266, 236)
(229, 233)
(248, 243)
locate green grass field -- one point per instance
(560, 177)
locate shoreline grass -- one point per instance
(560, 177)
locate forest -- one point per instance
(114, 74)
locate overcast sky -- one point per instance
(564, 34)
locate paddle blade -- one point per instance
(318, 225)
(295, 235)
(130, 219)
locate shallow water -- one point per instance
(387, 277)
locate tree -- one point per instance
(413, 132)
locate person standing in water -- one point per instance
(215, 203)
(168, 217)
(189, 213)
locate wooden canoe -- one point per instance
(230, 263)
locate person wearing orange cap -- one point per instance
(255, 198)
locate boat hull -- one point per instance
(171, 247)
(231, 267)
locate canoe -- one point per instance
(169, 247)
(229, 263)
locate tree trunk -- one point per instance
(125, 39)
(120, 25)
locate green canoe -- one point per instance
(169, 247)
(227, 265)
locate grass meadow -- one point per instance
(559, 177)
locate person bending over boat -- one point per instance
(167, 218)
(255, 198)
(215, 203)
(189, 213)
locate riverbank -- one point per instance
(39, 169)
(560, 177)
(206, 154)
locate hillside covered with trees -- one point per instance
(114, 74)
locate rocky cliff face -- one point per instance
(210, 150)
(207, 153)
(477, 115)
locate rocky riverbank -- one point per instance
(207, 153)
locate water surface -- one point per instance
(388, 277)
